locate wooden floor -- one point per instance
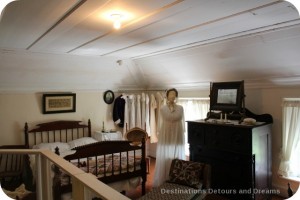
(277, 198)
(135, 194)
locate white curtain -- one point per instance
(193, 109)
(290, 159)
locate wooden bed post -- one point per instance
(26, 135)
(89, 128)
(143, 166)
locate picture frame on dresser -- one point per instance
(227, 96)
(59, 103)
(228, 99)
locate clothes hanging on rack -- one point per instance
(147, 114)
(126, 113)
(143, 111)
(153, 131)
(118, 111)
(131, 110)
(139, 110)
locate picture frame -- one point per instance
(59, 103)
(108, 97)
(227, 96)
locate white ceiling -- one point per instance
(68, 45)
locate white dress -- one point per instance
(171, 142)
(143, 111)
(138, 120)
(159, 102)
(147, 114)
(153, 106)
(131, 108)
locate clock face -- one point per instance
(108, 96)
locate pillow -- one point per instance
(186, 173)
(81, 141)
(51, 146)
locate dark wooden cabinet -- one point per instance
(240, 157)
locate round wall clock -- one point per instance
(109, 96)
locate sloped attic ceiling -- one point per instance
(54, 45)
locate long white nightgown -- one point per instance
(153, 125)
(138, 121)
(171, 142)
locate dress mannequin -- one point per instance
(171, 144)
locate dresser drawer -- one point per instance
(228, 139)
(195, 133)
(201, 153)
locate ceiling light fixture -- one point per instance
(295, 3)
(117, 19)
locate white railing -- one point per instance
(82, 183)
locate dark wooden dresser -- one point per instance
(239, 155)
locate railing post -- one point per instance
(43, 178)
(77, 189)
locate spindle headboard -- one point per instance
(56, 131)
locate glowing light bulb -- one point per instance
(117, 18)
(117, 24)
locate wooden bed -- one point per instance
(56, 131)
(112, 153)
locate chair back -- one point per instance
(136, 135)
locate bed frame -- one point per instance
(65, 131)
(56, 131)
(109, 148)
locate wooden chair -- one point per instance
(136, 135)
(12, 167)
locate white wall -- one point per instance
(270, 102)
(16, 109)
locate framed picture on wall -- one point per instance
(109, 96)
(59, 103)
